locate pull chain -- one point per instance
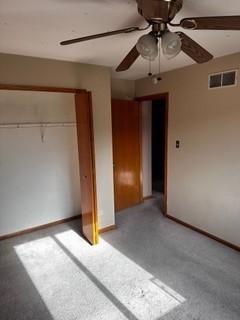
(159, 62)
(149, 68)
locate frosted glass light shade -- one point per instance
(151, 57)
(171, 44)
(147, 46)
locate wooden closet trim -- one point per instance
(18, 87)
(40, 88)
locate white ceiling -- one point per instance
(35, 28)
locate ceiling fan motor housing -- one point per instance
(159, 10)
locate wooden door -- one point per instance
(126, 153)
(87, 166)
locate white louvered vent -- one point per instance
(223, 79)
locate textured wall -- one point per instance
(204, 174)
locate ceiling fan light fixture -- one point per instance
(147, 46)
(171, 44)
(152, 56)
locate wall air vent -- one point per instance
(223, 79)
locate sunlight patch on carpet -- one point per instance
(79, 281)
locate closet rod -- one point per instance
(32, 125)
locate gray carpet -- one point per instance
(148, 268)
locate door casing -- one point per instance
(161, 96)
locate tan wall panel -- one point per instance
(204, 174)
(122, 89)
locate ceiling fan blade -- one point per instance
(154, 10)
(212, 23)
(99, 35)
(130, 58)
(193, 49)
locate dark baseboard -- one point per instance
(226, 243)
(112, 227)
(43, 226)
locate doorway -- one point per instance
(62, 207)
(158, 145)
(154, 147)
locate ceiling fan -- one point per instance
(159, 14)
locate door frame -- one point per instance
(74, 91)
(161, 96)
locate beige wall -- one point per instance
(122, 89)
(35, 71)
(204, 174)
